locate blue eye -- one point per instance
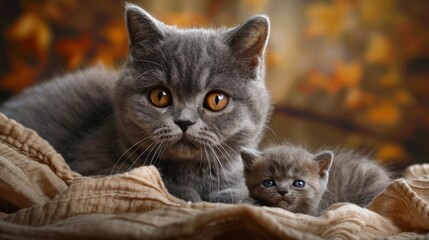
(268, 183)
(298, 183)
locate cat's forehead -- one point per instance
(289, 162)
(198, 60)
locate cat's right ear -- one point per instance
(324, 160)
(144, 31)
(248, 41)
(249, 156)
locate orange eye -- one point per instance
(160, 97)
(216, 101)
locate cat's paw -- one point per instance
(184, 193)
(249, 201)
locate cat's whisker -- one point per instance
(125, 152)
(162, 152)
(155, 153)
(226, 158)
(164, 62)
(219, 164)
(150, 147)
(147, 61)
(210, 168)
(141, 144)
(231, 161)
(272, 131)
(201, 159)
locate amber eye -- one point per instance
(216, 101)
(160, 97)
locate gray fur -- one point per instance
(347, 177)
(102, 121)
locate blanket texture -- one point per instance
(42, 198)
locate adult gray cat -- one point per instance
(292, 178)
(185, 101)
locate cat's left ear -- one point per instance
(249, 156)
(324, 160)
(144, 31)
(248, 41)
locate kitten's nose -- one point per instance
(282, 191)
(184, 124)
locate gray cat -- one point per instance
(186, 101)
(294, 179)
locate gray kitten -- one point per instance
(292, 178)
(186, 101)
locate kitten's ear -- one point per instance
(144, 31)
(248, 41)
(324, 160)
(249, 156)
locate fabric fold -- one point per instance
(47, 200)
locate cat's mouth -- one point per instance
(285, 200)
(184, 148)
(185, 142)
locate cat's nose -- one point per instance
(184, 124)
(282, 191)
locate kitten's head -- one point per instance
(189, 92)
(287, 177)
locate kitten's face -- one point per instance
(286, 177)
(185, 94)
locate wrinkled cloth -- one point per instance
(42, 198)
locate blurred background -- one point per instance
(353, 73)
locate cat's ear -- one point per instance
(249, 40)
(144, 31)
(249, 156)
(324, 160)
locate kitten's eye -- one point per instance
(268, 183)
(160, 97)
(216, 101)
(298, 183)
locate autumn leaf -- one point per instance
(32, 33)
(404, 98)
(74, 50)
(326, 19)
(389, 80)
(379, 50)
(356, 98)
(383, 113)
(348, 75)
(390, 152)
(21, 76)
(116, 47)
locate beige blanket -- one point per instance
(46, 200)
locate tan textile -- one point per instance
(53, 202)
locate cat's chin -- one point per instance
(285, 203)
(184, 150)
